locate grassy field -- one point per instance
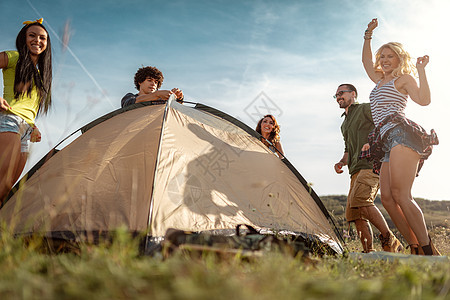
(117, 271)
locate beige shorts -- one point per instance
(363, 189)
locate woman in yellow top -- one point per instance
(27, 78)
(269, 129)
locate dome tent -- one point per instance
(155, 167)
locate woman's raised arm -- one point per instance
(367, 52)
(419, 94)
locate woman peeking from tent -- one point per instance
(270, 131)
(27, 80)
(398, 146)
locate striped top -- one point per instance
(384, 101)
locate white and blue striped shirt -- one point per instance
(384, 101)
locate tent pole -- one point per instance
(150, 213)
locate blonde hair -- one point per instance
(405, 66)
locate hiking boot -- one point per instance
(430, 249)
(390, 243)
(415, 249)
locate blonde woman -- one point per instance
(398, 145)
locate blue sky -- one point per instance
(237, 56)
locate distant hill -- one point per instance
(437, 213)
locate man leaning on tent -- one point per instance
(148, 80)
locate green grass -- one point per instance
(117, 271)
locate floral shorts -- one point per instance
(12, 123)
(399, 136)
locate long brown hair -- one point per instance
(274, 136)
(26, 71)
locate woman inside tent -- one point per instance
(27, 78)
(269, 129)
(398, 144)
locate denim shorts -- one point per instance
(400, 136)
(13, 123)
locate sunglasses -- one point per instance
(340, 93)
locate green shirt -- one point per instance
(355, 129)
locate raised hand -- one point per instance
(372, 25)
(422, 61)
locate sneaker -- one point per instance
(390, 243)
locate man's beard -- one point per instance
(344, 104)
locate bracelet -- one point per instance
(368, 34)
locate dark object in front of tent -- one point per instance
(245, 245)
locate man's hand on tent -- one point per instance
(178, 93)
(156, 95)
(163, 94)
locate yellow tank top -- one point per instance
(25, 106)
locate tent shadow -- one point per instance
(213, 181)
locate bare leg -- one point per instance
(365, 234)
(9, 161)
(403, 168)
(21, 165)
(376, 218)
(392, 207)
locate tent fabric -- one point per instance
(98, 182)
(166, 166)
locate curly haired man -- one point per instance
(147, 81)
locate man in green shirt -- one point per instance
(364, 183)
